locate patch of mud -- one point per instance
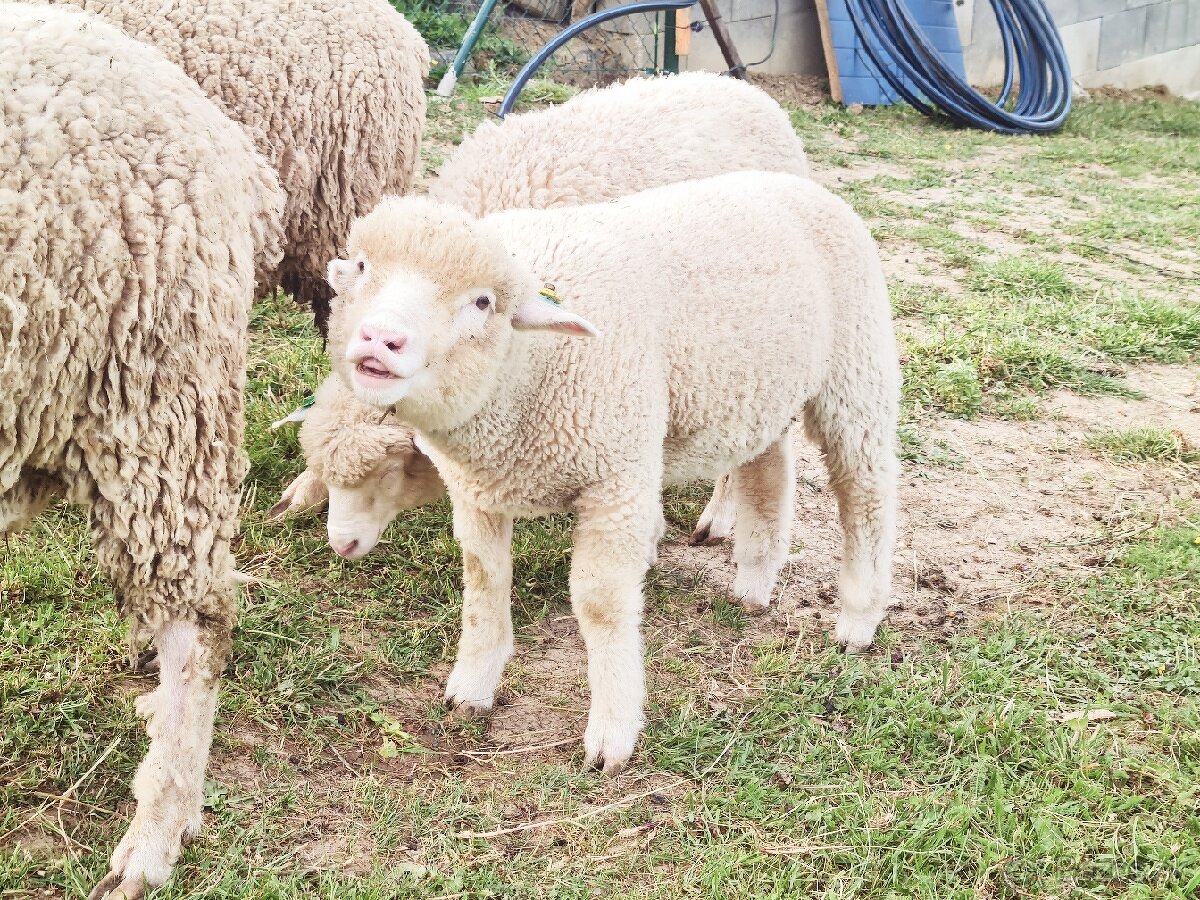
(794, 90)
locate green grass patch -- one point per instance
(1144, 444)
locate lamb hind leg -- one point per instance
(607, 568)
(169, 784)
(717, 521)
(764, 489)
(863, 471)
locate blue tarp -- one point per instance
(861, 82)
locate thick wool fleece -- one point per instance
(615, 141)
(330, 91)
(600, 145)
(703, 368)
(133, 217)
(702, 365)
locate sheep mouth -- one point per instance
(373, 367)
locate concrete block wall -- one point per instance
(1114, 43)
(797, 47)
(1118, 43)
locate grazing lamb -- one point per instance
(600, 145)
(691, 371)
(133, 219)
(330, 91)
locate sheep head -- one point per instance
(427, 305)
(368, 463)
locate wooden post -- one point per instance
(732, 61)
(831, 66)
(683, 31)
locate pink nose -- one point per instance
(393, 340)
(347, 549)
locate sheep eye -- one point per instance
(362, 266)
(483, 302)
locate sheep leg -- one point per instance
(607, 568)
(487, 636)
(306, 491)
(717, 520)
(762, 534)
(169, 784)
(863, 471)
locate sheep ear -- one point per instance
(539, 314)
(340, 274)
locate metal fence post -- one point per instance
(670, 56)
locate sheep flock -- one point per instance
(533, 336)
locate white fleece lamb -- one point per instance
(600, 145)
(786, 317)
(134, 216)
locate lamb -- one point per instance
(134, 218)
(600, 145)
(439, 319)
(330, 91)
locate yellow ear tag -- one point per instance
(547, 291)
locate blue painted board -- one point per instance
(861, 82)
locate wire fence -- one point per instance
(639, 44)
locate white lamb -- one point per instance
(703, 364)
(600, 145)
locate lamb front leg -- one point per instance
(169, 784)
(487, 635)
(607, 568)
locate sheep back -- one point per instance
(330, 91)
(133, 217)
(610, 142)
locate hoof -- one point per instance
(855, 634)
(114, 886)
(468, 710)
(703, 537)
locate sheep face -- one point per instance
(426, 309)
(371, 471)
(359, 512)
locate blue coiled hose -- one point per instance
(1030, 39)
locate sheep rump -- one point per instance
(134, 217)
(773, 325)
(330, 91)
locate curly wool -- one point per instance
(615, 141)
(134, 216)
(599, 145)
(330, 91)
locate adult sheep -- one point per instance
(599, 145)
(439, 318)
(330, 91)
(134, 216)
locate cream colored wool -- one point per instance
(600, 145)
(612, 142)
(331, 92)
(133, 217)
(786, 317)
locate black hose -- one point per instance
(894, 41)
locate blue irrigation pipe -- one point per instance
(899, 49)
(446, 86)
(539, 58)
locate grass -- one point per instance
(1144, 444)
(945, 765)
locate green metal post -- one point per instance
(670, 57)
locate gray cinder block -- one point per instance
(1122, 37)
